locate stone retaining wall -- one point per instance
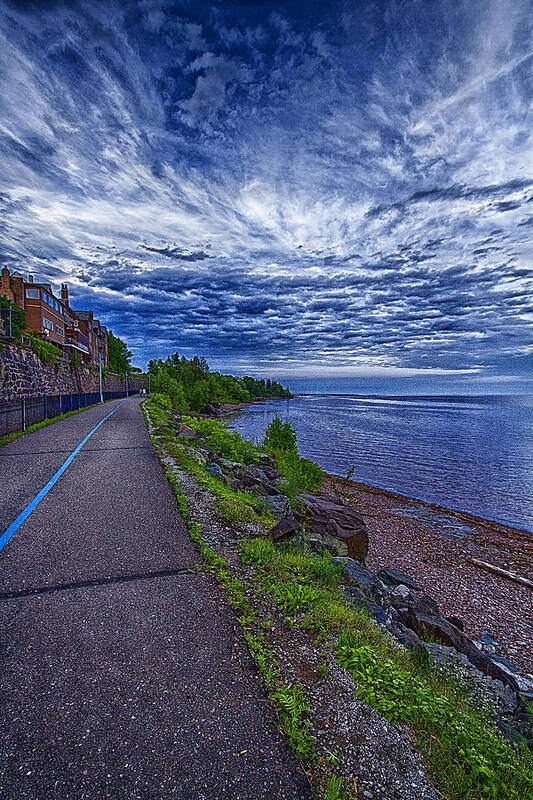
(23, 374)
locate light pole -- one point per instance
(100, 373)
(126, 384)
(149, 377)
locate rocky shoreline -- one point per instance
(435, 545)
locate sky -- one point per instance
(302, 190)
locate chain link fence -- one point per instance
(19, 414)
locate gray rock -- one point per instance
(327, 543)
(266, 461)
(404, 635)
(489, 639)
(186, 433)
(427, 605)
(457, 622)
(214, 470)
(362, 577)
(279, 505)
(286, 526)
(401, 592)
(227, 466)
(253, 471)
(261, 488)
(393, 577)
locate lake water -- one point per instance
(472, 454)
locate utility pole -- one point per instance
(126, 384)
(149, 376)
(100, 372)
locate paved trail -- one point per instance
(123, 673)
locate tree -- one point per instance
(119, 355)
(18, 317)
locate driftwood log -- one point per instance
(505, 573)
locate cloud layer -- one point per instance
(280, 189)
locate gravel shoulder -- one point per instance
(376, 757)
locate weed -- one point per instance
(465, 755)
(336, 790)
(294, 710)
(322, 670)
(219, 439)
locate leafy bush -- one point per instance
(300, 474)
(45, 351)
(219, 439)
(280, 437)
(18, 317)
(162, 400)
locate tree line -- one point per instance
(191, 385)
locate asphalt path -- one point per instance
(123, 672)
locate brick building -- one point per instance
(52, 318)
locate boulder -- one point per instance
(325, 517)
(327, 543)
(427, 605)
(214, 470)
(457, 622)
(185, 432)
(266, 461)
(254, 473)
(279, 505)
(356, 596)
(361, 577)
(404, 635)
(393, 577)
(286, 526)
(227, 466)
(261, 488)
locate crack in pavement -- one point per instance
(85, 450)
(163, 573)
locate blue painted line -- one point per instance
(13, 528)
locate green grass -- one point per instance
(465, 755)
(288, 699)
(233, 506)
(11, 437)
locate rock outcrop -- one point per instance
(329, 519)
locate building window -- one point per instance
(32, 294)
(47, 324)
(59, 330)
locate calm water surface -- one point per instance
(473, 454)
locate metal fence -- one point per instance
(17, 415)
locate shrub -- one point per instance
(219, 439)
(300, 474)
(18, 317)
(455, 739)
(280, 437)
(45, 351)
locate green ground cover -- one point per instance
(466, 757)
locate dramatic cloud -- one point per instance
(287, 188)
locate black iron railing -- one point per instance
(19, 414)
